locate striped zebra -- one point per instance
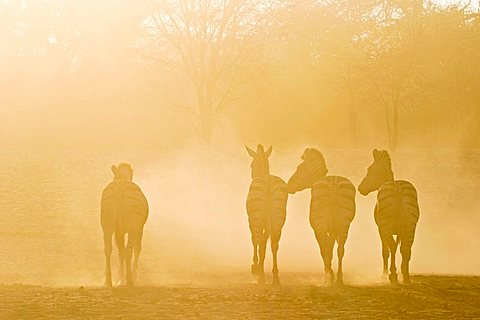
(332, 207)
(267, 210)
(396, 212)
(124, 210)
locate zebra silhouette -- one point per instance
(266, 208)
(396, 212)
(332, 207)
(124, 210)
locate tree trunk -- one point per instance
(395, 125)
(389, 126)
(206, 129)
(352, 123)
(352, 112)
(205, 112)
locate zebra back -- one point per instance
(397, 210)
(267, 206)
(124, 207)
(332, 206)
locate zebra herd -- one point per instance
(332, 209)
(124, 210)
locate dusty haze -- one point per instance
(198, 225)
(85, 85)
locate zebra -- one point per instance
(332, 207)
(124, 209)
(266, 209)
(396, 212)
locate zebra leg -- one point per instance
(262, 252)
(254, 267)
(137, 250)
(406, 251)
(392, 245)
(385, 254)
(274, 240)
(107, 240)
(326, 248)
(129, 252)
(120, 240)
(340, 253)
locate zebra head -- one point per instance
(260, 166)
(122, 172)
(310, 170)
(378, 173)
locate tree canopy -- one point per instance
(341, 73)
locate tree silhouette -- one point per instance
(208, 42)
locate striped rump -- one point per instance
(397, 211)
(332, 207)
(124, 207)
(266, 206)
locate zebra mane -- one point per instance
(312, 154)
(382, 156)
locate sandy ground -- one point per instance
(428, 297)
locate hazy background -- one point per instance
(176, 88)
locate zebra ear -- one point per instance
(114, 170)
(268, 153)
(376, 154)
(250, 152)
(305, 154)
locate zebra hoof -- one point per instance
(108, 284)
(254, 269)
(276, 281)
(406, 280)
(339, 282)
(393, 278)
(331, 278)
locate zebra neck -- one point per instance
(318, 171)
(318, 179)
(388, 178)
(263, 176)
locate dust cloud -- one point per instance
(198, 229)
(88, 84)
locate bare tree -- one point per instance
(394, 52)
(208, 41)
(351, 30)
